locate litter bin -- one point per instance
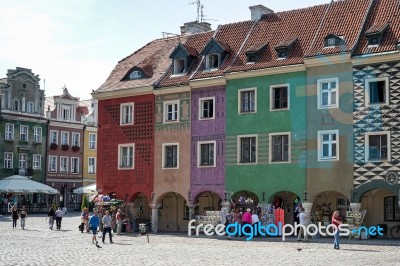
(142, 229)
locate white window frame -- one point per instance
(36, 161)
(176, 112)
(52, 159)
(330, 142)
(240, 91)
(163, 163)
(23, 161)
(319, 96)
(64, 164)
(74, 162)
(209, 62)
(55, 132)
(37, 132)
(272, 97)
(128, 145)
(124, 114)
(92, 167)
(367, 134)
(76, 136)
(66, 113)
(271, 135)
(92, 143)
(9, 132)
(239, 149)
(63, 134)
(136, 74)
(179, 62)
(24, 132)
(30, 108)
(214, 164)
(201, 108)
(8, 158)
(368, 91)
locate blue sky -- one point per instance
(77, 43)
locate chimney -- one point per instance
(195, 27)
(259, 10)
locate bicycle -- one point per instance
(395, 231)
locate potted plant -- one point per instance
(53, 146)
(75, 148)
(64, 147)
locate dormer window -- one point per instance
(375, 34)
(254, 52)
(214, 53)
(136, 74)
(284, 47)
(179, 66)
(332, 40)
(373, 40)
(182, 58)
(251, 58)
(282, 54)
(212, 61)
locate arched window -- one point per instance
(135, 75)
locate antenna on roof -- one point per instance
(202, 15)
(197, 2)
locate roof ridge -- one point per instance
(318, 30)
(364, 24)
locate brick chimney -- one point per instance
(259, 10)
(195, 27)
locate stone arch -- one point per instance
(359, 192)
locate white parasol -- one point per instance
(22, 184)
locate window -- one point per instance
(37, 132)
(63, 164)
(207, 107)
(22, 160)
(330, 42)
(135, 75)
(64, 138)
(377, 90)
(327, 93)
(92, 141)
(9, 134)
(53, 137)
(37, 162)
(247, 149)
(391, 209)
(76, 139)
(170, 155)
(52, 163)
(23, 134)
(126, 158)
(8, 160)
(206, 153)
(16, 105)
(179, 66)
(30, 107)
(377, 146)
(279, 147)
(251, 58)
(279, 95)
(126, 114)
(74, 165)
(212, 61)
(92, 165)
(66, 115)
(282, 54)
(247, 100)
(373, 40)
(171, 111)
(328, 148)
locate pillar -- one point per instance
(355, 207)
(154, 216)
(307, 210)
(224, 211)
(191, 211)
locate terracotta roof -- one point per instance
(277, 29)
(383, 11)
(256, 48)
(345, 19)
(377, 28)
(152, 58)
(286, 43)
(191, 50)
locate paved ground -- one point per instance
(37, 245)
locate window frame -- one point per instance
(367, 92)
(182, 61)
(76, 160)
(30, 107)
(199, 154)
(320, 133)
(272, 88)
(208, 61)
(240, 91)
(271, 135)
(10, 160)
(395, 209)
(67, 134)
(66, 112)
(177, 111)
(36, 161)
(51, 137)
(21, 133)
(78, 143)
(65, 160)
(123, 114)
(127, 145)
(319, 93)
(239, 149)
(23, 160)
(135, 74)
(9, 132)
(93, 165)
(366, 147)
(164, 154)
(37, 136)
(201, 107)
(55, 158)
(92, 143)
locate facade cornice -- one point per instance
(327, 60)
(265, 72)
(66, 125)
(32, 119)
(376, 58)
(207, 82)
(169, 90)
(122, 93)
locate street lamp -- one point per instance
(305, 196)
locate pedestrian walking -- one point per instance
(59, 215)
(51, 215)
(336, 221)
(303, 222)
(84, 220)
(118, 218)
(14, 216)
(23, 214)
(107, 226)
(94, 222)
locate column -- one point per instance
(307, 210)
(154, 216)
(355, 207)
(224, 211)
(191, 211)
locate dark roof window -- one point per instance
(214, 52)
(375, 33)
(254, 52)
(333, 40)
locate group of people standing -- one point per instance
(55, 216)
(15, 215)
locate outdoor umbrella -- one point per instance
(22, 184)
(90, 189)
